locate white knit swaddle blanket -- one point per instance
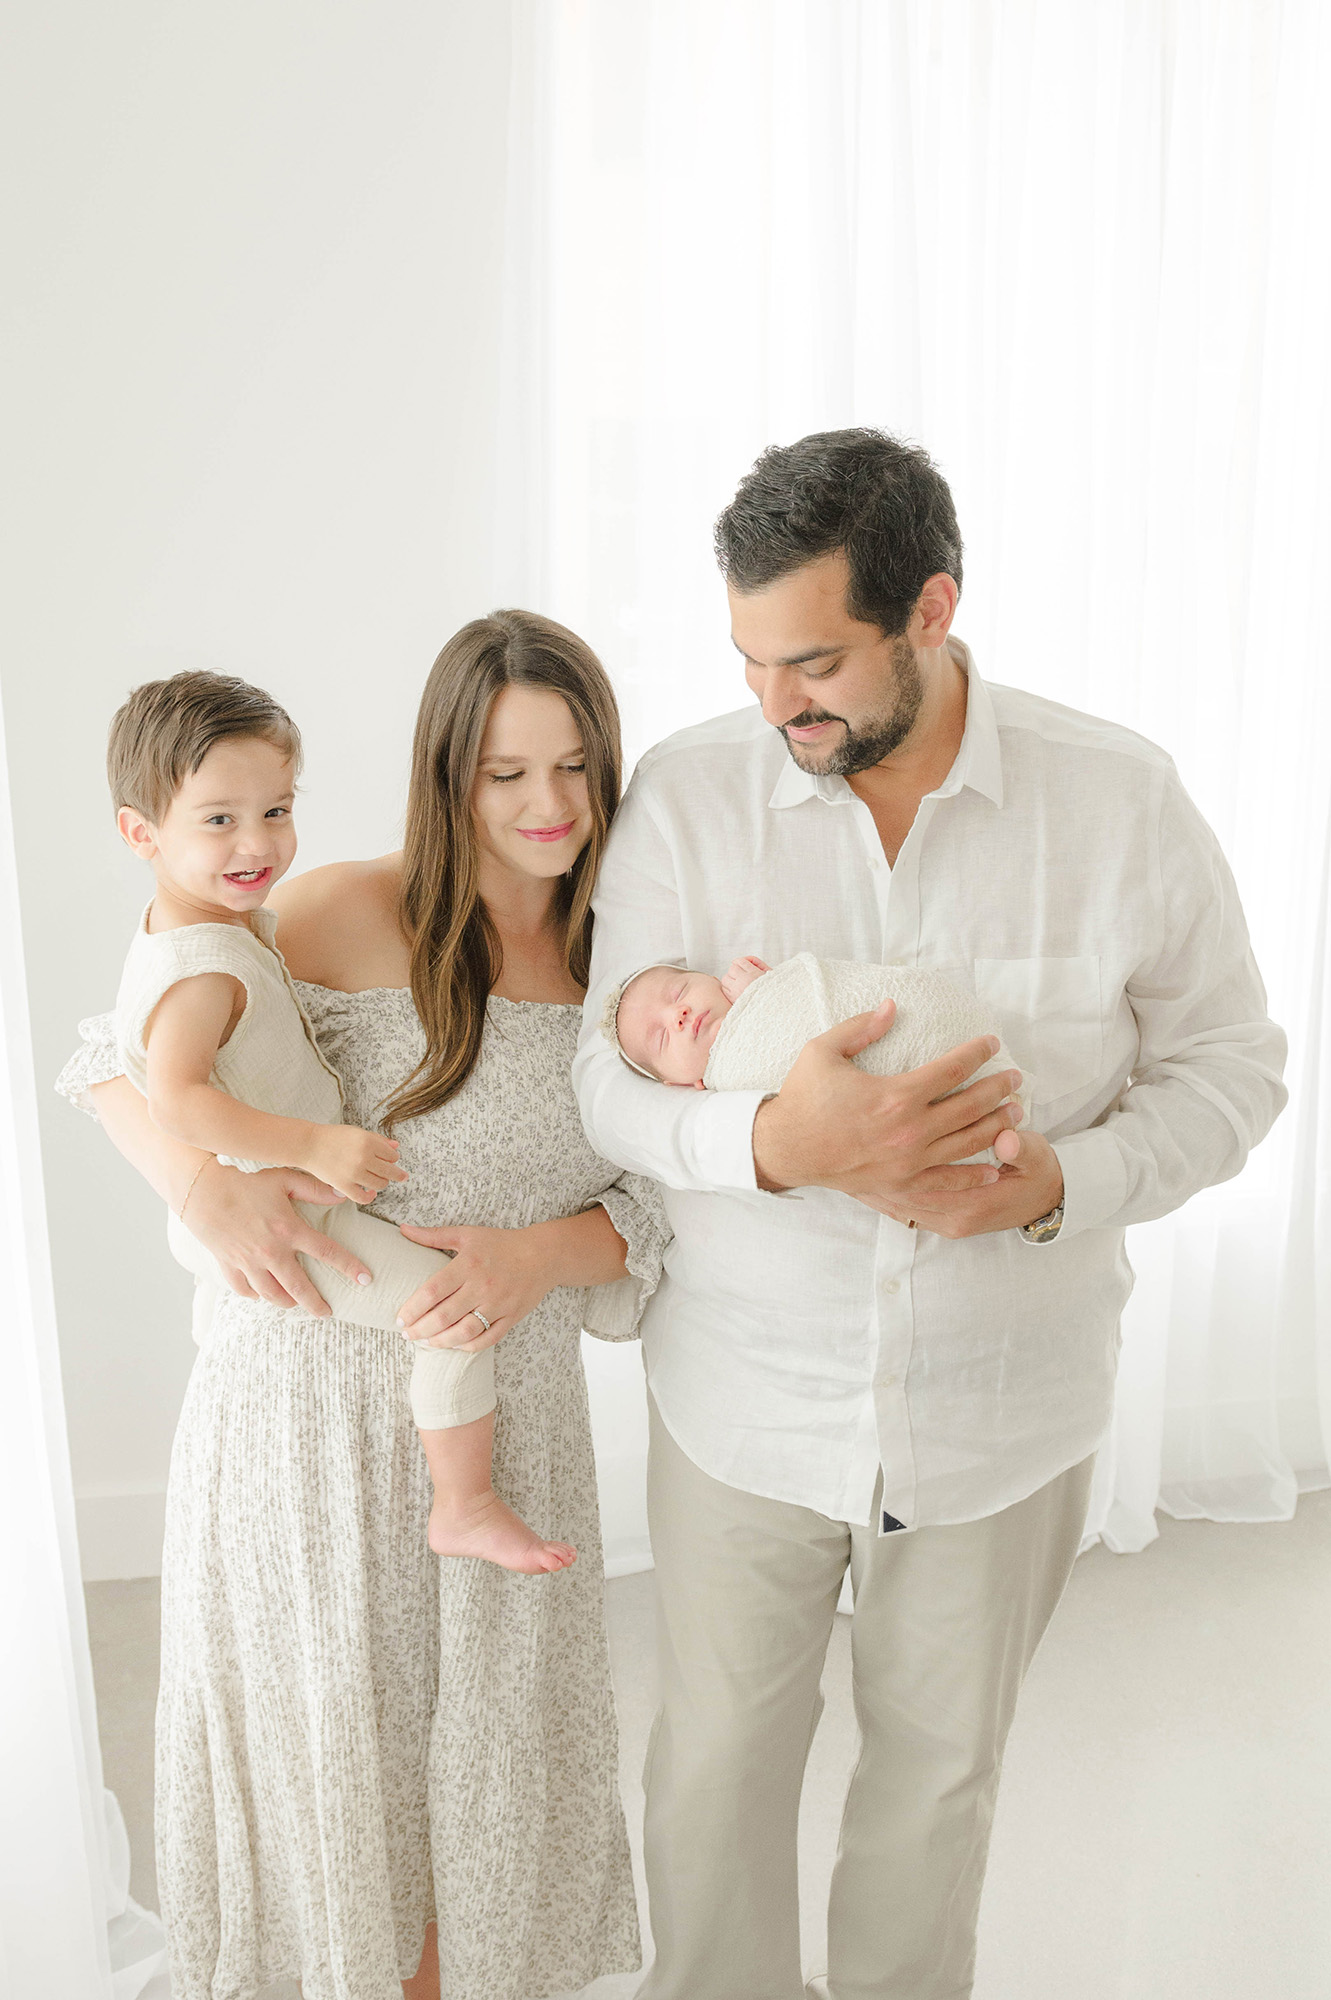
(773, 1018)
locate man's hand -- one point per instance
(249, 1224)
(1029, 1184)
(887, 1140)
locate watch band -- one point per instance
(1045, 1227)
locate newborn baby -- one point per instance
(743, 1032)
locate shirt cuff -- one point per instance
(1095, 1182)
(723, 1140)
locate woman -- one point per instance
(352, 1735)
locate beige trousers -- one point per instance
(447, 1388)
(946, 1622)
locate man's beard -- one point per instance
(868, 742)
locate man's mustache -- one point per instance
(809, 717)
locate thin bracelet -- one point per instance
(180, 1212)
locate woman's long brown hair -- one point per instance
(455, 951)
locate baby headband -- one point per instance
(610, 1018)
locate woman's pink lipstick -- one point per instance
(546, 832)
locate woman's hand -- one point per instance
(249, 1224)
(503, 1273)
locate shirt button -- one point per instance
(887, 1381)
(892, 1285)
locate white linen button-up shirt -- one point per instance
(798, 1343)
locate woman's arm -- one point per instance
(168, 1165)
(505, 1273)
(246, 1220)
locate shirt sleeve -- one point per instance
(1207, 1083)
(697, 1139)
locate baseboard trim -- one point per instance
(629, 1563)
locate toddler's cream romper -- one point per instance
(272, 1064)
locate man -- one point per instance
(864, 1354)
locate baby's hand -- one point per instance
(358, 1164)
(741, 974)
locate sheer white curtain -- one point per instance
(1080, 249)
(68, 1929)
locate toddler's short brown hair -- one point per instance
(162, 734)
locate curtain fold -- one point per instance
(1081, 252)
(68, 1929)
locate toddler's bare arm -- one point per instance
(189, 1024)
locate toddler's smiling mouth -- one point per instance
(248, 878)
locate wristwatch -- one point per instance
(1045, 1227)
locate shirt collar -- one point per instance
(978, 763)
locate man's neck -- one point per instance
(892, 790)
(920, 764)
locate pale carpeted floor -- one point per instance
(1164, 1829)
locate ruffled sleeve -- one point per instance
(637, 1208)
(96, 1060)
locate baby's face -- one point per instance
(668, 1019)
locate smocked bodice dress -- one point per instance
(352, 1734)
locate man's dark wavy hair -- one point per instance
(884, 502)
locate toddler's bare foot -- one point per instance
(482, 1525)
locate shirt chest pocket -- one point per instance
(1048, 1013)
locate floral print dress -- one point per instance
(353, 1735)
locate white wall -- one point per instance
(256, 254)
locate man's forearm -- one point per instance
(1167, 1140)
(763, 1172)
(685, 1139)
(168, 1165)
